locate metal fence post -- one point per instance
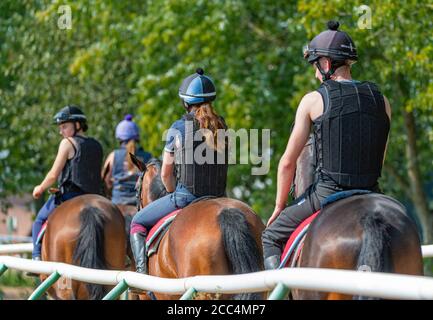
(279, 292)
(40, 290)
(121, 287)
(188, 294)
(3, 268)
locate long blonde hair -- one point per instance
(131, 147)
(209, 119)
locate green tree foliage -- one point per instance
(130, 57)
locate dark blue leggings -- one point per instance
(147, 217)
(43, 215)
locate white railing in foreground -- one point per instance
(389, 286)
(16, 248)
(427, 251)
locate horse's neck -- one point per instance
(305, 168)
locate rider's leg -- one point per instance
(41, 217)
(141, 223)
(276, 235)
(149, 216)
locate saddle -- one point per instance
(158, 231)
(41, 232)
(293, 248)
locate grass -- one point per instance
(14, 278)
(428, 266)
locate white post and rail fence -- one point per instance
(370, 284)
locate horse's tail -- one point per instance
(89, 250)
(240, 246)
(375, 254)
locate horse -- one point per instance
(368, 232)
(87, 231)
(216, 236)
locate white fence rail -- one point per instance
(380, 285)
(427, 251)
(371, 284)
(16, 248)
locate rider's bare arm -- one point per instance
(388, 112)
(167, 170)
(107, 173)
(108, 166)
(65, 151)
(287, 166)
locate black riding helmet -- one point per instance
(334, 44)
(71, 113)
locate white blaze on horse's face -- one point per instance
(67, 129)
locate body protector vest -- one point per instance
(82, 173)
(200, 168)
(351, 134)
(124, 180)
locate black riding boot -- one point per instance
(138, 247)
(272, 262)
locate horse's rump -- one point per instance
(87, 231)
(367, 232)
(211, 237)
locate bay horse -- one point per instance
(87, 231)
(217, 236)
(362, 232)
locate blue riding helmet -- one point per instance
(197, 88)
(127, 130)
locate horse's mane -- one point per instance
(156, 188)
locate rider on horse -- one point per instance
(77, 167)
(351, 122)
(184, 180)
(119, 171)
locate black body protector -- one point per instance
(201, 178)
(83, 171)
(351, 134)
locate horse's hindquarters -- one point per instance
(86, 231)
(204, 238)
(365, 232)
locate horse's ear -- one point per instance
(137, 162)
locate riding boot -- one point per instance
(31, 274)
(138, 247)
(272, 262)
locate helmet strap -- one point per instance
(186, 105)
(75, 127)
(325, 75)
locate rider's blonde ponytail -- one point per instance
(130, 148)
(209, 119)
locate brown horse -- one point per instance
(87, 231)
(362, 232)
(210, 237)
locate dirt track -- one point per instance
(15, 293)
